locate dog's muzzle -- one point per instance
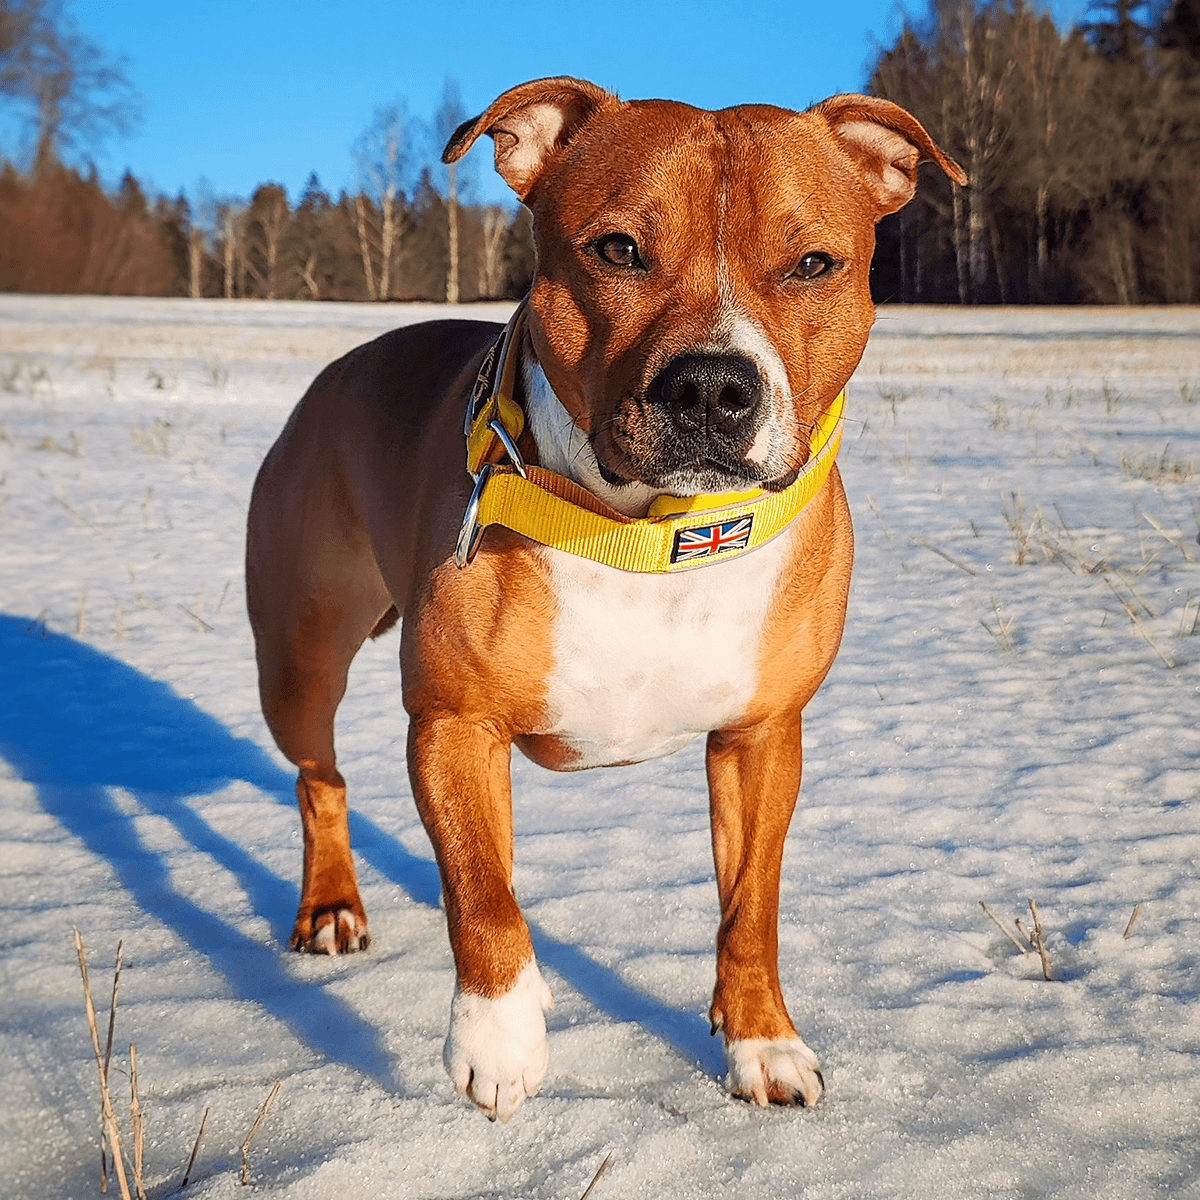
(694, 427)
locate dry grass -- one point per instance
(108, 1114)
(1039, 942)
(1004, 929)
(129, 1164)
(202, 625)
(138, 1126)
(596, 1178)
(1111, 397)
(1031, 939)
(1139, 624)
(1021, 527)
(954, 562)
(262, 1116)
(1133, 916)
(1003, 633)
(1035, 539)
(25, 376)
(71, 447)
(1172, 539)
(155, 440)
(1189, 621)
(1160, 469)
(195, 1150)
(218, 373)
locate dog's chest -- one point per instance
(645, 663)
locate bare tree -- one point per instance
(957, 75)
(1055, 125)
(309, 234)
(977, 66)
(363, 215)
(495, 223)
(195, 261)
(266, 222)
(75, 95)
(449, 116)
(382, 155)
(229, 230)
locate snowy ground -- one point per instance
(1013, 715)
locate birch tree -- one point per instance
(449, 116)
(230, 223)
(494, 221)
(1054, 169)
(383, 158)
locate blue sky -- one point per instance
(239, 93)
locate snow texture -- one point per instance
(1013, 715)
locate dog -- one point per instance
(610, 528)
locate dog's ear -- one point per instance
(886, 143)
(529, 124)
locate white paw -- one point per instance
(496, 1051)
(773, 1071)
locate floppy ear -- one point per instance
(530, 123)
(886, 143)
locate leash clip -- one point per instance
(471, 534)
(510, 446)
(489, 404)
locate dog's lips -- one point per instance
(689, 475)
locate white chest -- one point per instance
(645, 663)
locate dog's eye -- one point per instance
(812, 265)
(619, 249)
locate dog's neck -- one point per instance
(564, 448)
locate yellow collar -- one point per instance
(680, 532)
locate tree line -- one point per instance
(62, 232)
(1082, 147)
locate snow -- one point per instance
(1013, 715)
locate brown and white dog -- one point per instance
(700, 300)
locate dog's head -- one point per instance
(701, 292)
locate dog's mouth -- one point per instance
(690, 476)
(641, 446)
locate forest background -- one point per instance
(1082, 146)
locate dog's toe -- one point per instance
(773, 1071)
(331, 931)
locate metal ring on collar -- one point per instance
(470, 535)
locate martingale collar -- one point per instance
(680, 532)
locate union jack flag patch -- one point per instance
(706, 541)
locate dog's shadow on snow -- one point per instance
(77, 723)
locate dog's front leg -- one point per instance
(496, 1051)
(754, 780)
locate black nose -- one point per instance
(717, 393)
